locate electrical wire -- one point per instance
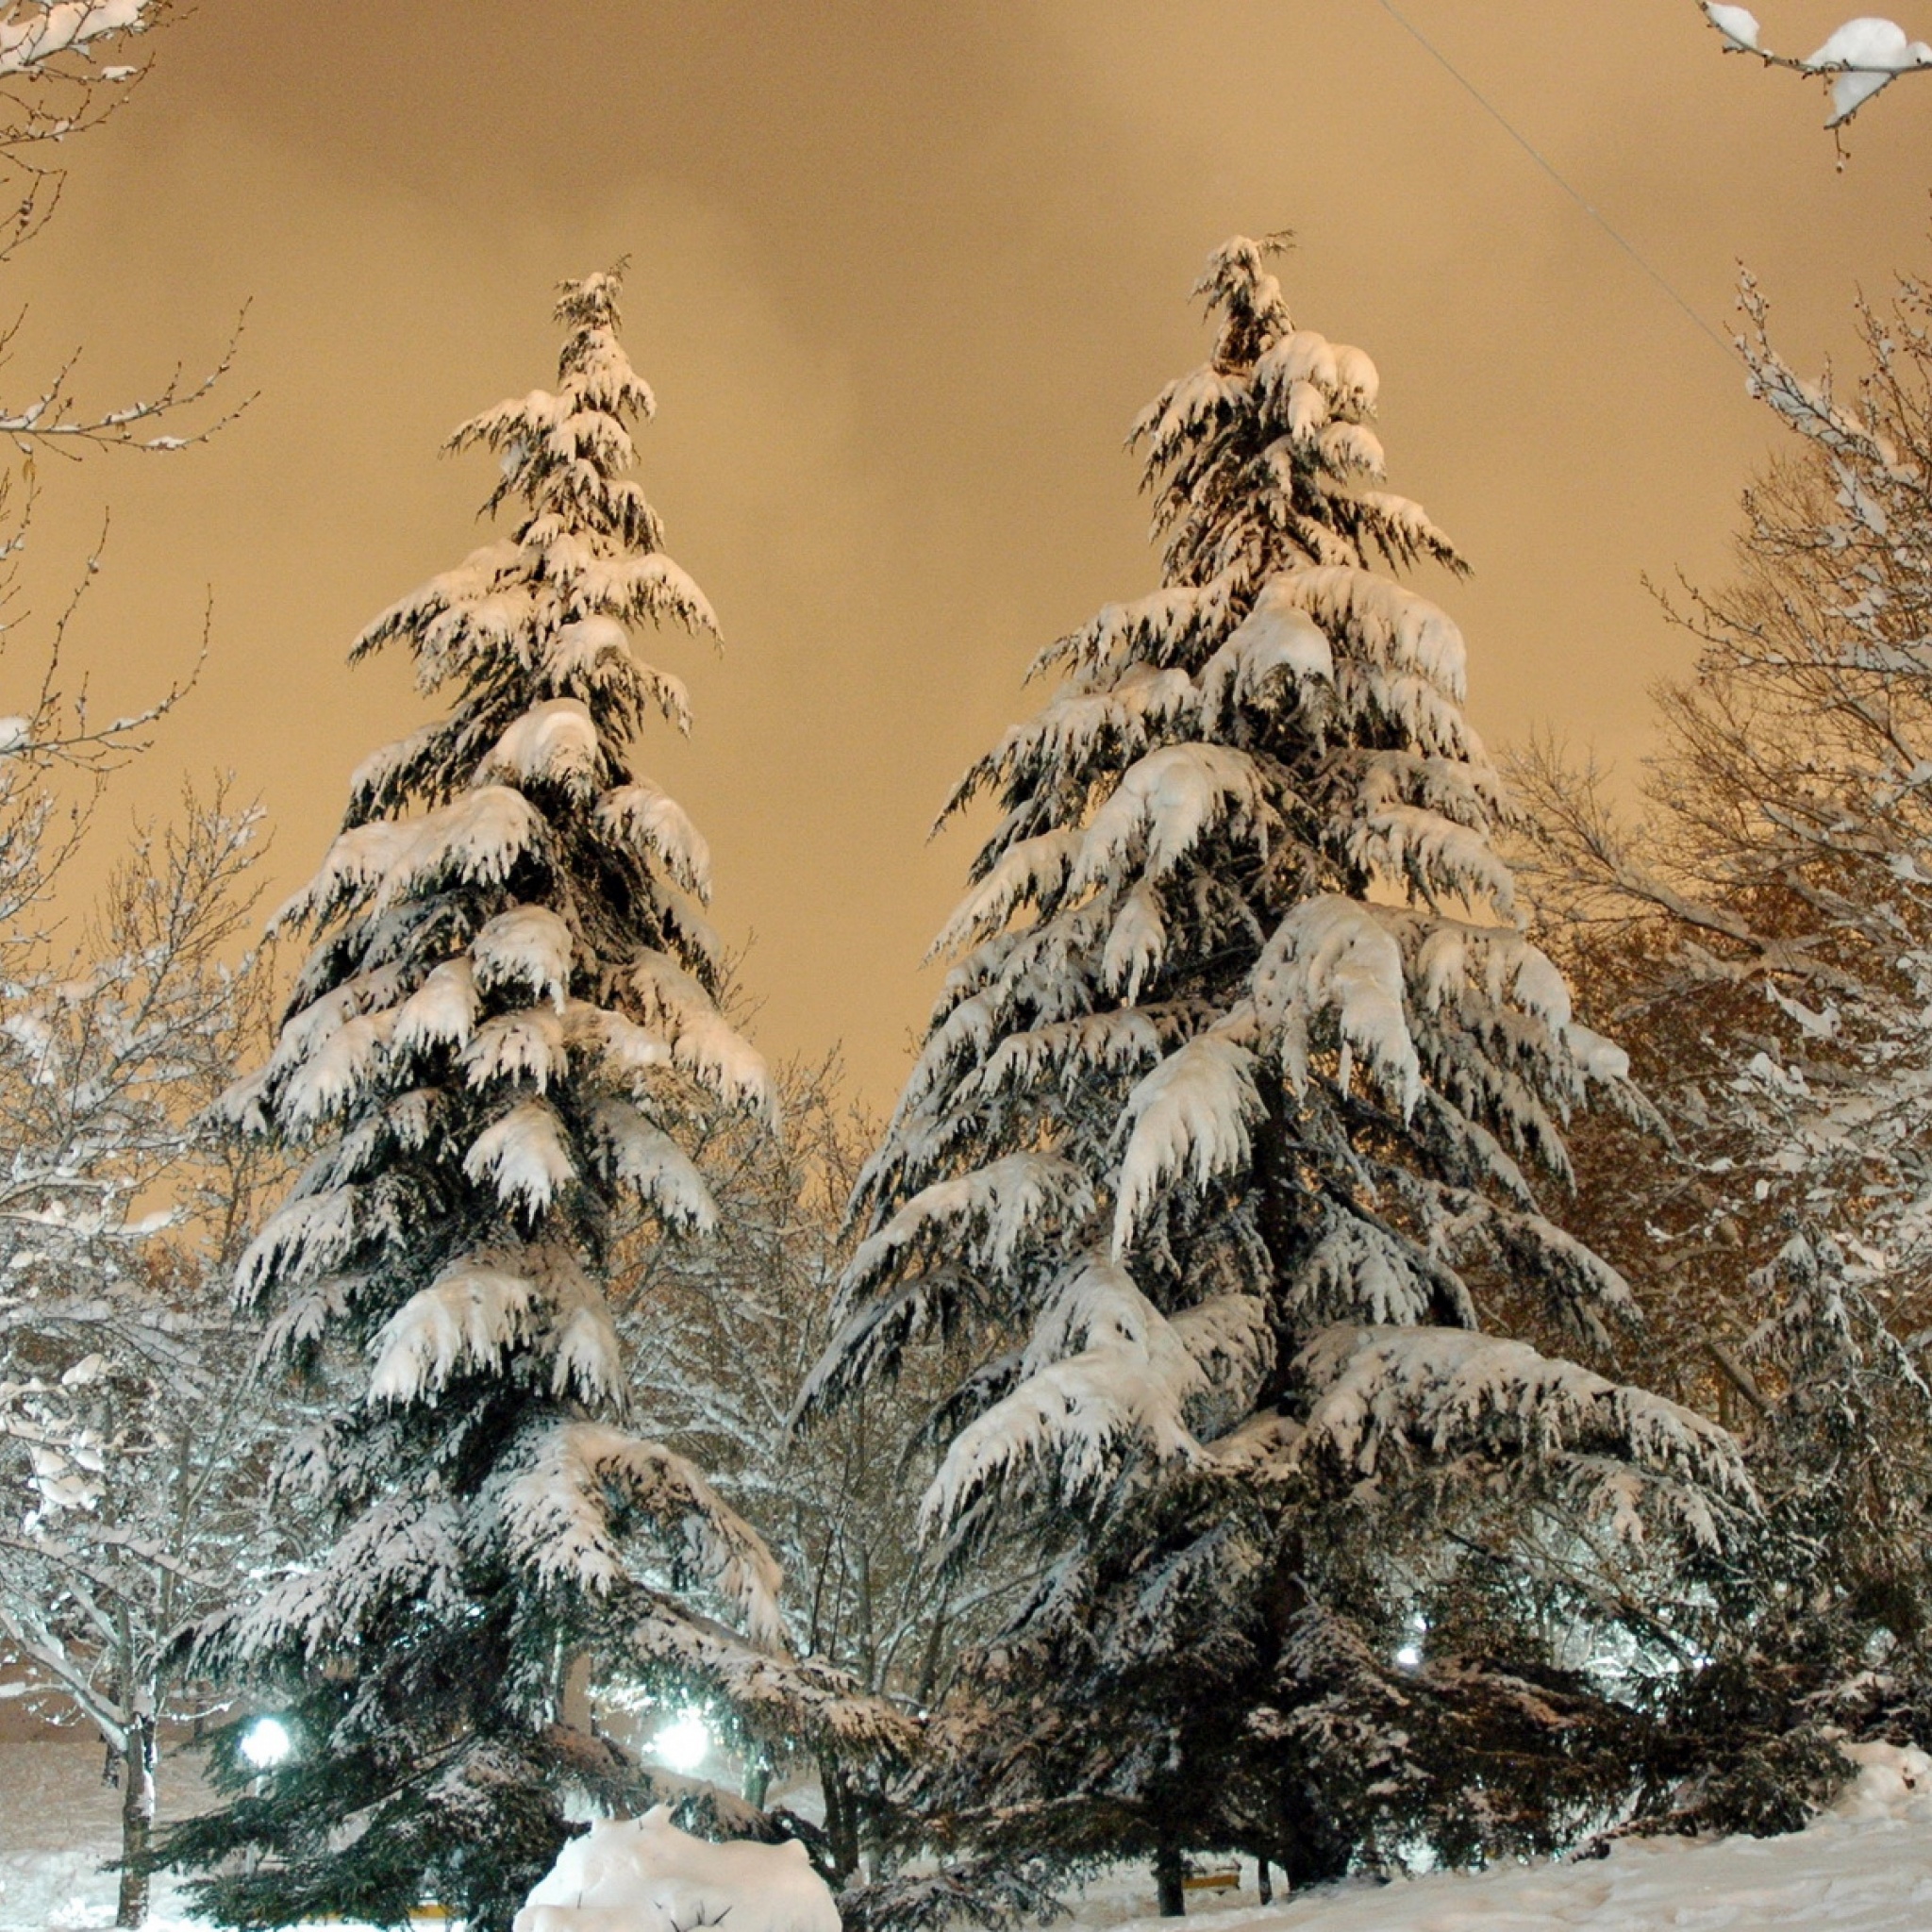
(1729, 350)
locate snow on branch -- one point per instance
(469, 1318)
(1858, 59)
(1187, 1119)
(634, 1150)
(1386, 1396)
(984, 1216)
(1125, 1383)
(51, 419)
(58, 728)
(478, 838)
(54, 56)
(34, 32)
(1336, 956)
(558, 1515)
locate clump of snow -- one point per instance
(1895, 1781)
(1738, 25)
(553, 741)
(1188, 1117)
(527, 1153)
(1871, 46)
(1858, 59)
(1864, 54)
(646, 1876)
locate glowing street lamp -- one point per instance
(266, 1743)
(682, 1746)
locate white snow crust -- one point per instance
(646, 1876)
(1865, 54)
(1865, 1866)
(1738, 25)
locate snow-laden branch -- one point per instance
(62, 69)
(1858, 59)
(34, 32)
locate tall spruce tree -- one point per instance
(1226, 1134)
(507, 1016)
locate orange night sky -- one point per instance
(902, 276)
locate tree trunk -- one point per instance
(136, 1821)
(1310, 1851)
(1169, 1893)
(575, 1701)
(929, 1669)
(1264, 1881)
(842, 1819)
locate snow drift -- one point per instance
(646, 1876)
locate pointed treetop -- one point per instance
(592, 302)
(565, 452)
(1237, 283)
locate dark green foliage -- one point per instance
(1821, 1621)
(493, 1060)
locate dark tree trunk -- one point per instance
(1169, 1891)
(1313, 1853)
(136, 1821)
(842, 1819)
(1264, 1881)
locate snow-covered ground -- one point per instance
(1865, 1868)
(58, 1821)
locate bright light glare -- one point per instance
(266, 1744)
(682, 1746)
(1410, 1655)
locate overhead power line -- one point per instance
(1549, 168)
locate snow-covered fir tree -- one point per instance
(1231, 1118)
(506, 1016)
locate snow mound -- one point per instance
(1895, 1781)
(646, 1876)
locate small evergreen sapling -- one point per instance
(1237, 1101)
(507, 1014)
